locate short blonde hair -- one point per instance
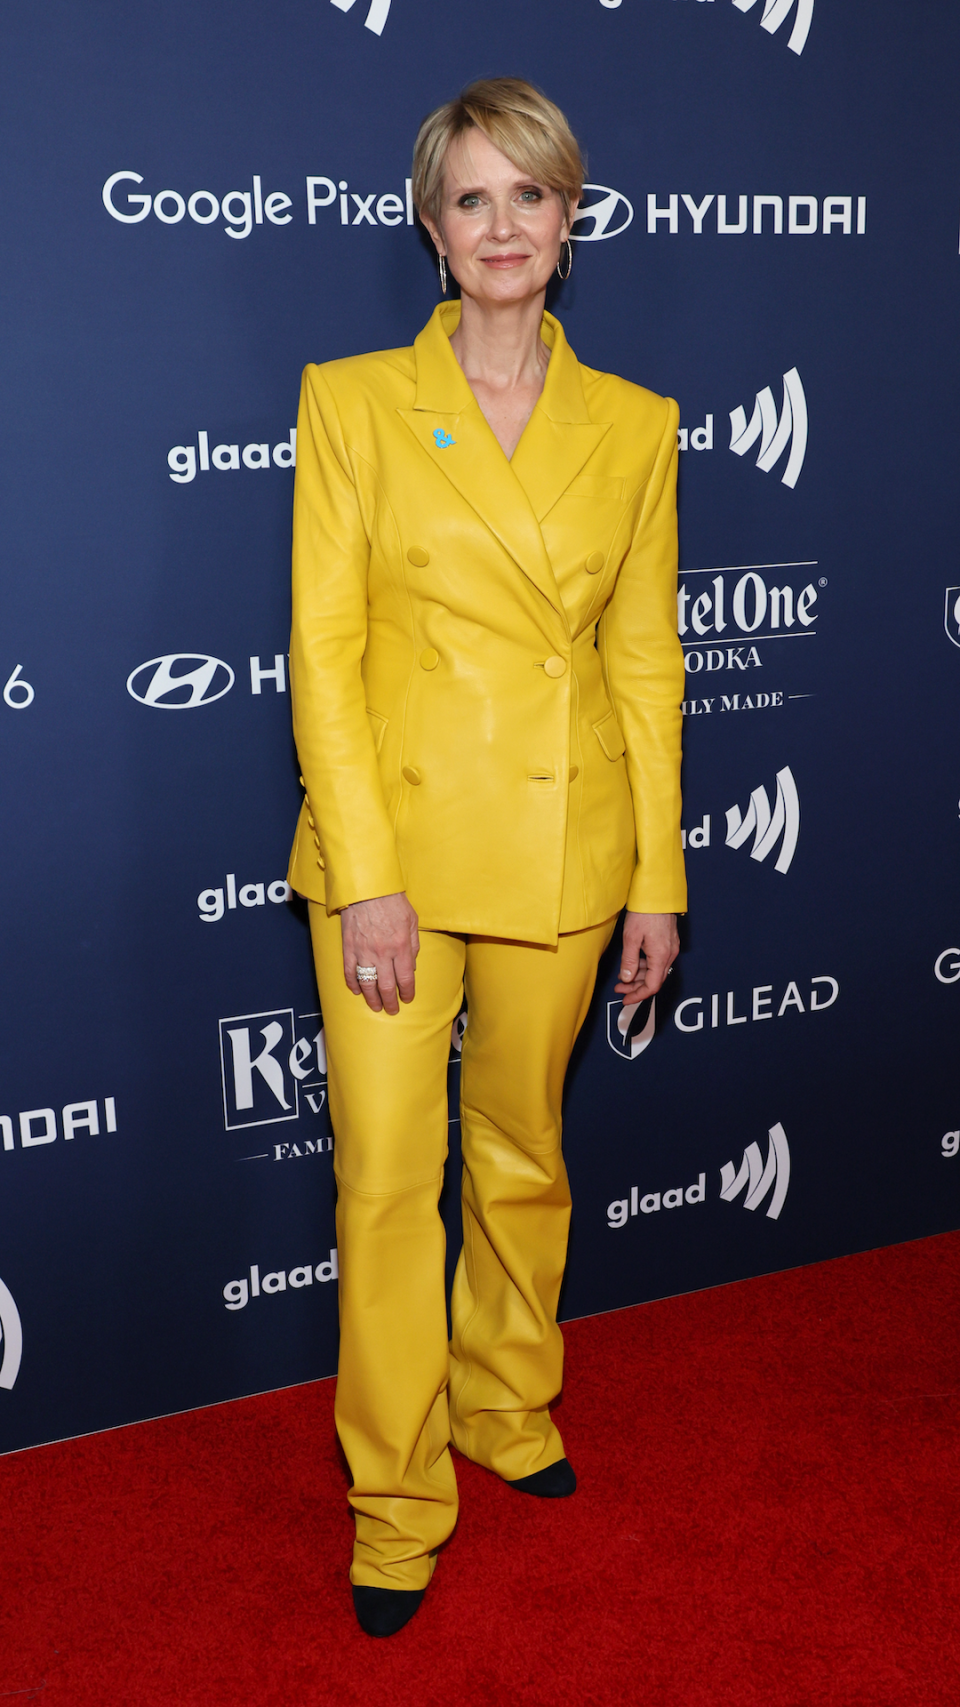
(519, 120)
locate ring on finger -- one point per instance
(366, 974)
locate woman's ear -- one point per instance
(434, 230)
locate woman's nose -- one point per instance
(503, 224)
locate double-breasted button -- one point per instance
(594, 563)
(302, 783)
(311, 821)
(555, 667)
(574, 772)
(418, 557)
(316, 840)
(411, 774)
(429, 659)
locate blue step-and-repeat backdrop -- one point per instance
(197, 200)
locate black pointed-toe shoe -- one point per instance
(553, 1483)
(384, 1611)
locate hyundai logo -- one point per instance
(604, 213)
(180, 680)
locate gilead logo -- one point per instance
(630, 1027)
(11, 1344)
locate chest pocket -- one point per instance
(595, 486)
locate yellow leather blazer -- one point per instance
(485, 669)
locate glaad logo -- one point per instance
(775, 13)
(159, 684)
(774, 433)
(602, 213)
(630, 1027)
(620, 1210)
(183, 460)
(261, 1084)
(11, 1338)
(377, 14)
(951, 614)
(237, 1293)
(759, 1178)
(210, 901)
(768, 827)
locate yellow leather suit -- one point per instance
(486, 683)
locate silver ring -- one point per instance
(366, 974)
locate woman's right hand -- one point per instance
(381, 933)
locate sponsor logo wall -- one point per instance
(746, 244)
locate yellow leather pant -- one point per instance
(388, 1104)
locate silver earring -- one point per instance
(442, 259)
(566, 275)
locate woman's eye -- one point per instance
(530, 196)
(469, 201)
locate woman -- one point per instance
(486, 685)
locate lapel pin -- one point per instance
(443, 440)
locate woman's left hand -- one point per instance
(650, 947)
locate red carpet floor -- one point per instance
(767, 1517)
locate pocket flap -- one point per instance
(595, 486)
(608, 734)
(378, 727)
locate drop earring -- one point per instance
(566, 275)
(442, 262)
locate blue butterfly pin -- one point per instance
(443, 440)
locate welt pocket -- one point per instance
(378, 727)
(595, 486)
(608, 734)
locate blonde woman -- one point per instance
(486, 686)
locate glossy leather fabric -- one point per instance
(485, 669)
(388, 1102)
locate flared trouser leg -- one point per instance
(387, 1079)
(525, 1005)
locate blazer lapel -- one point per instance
(449, 424)
(560, 435)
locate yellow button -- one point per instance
(316, 841)
(418, 557)
(554, 667)
(320, 863)
(311, 822)
(411, 774)
(594, 563)
(302, 783)
(429, 659)
(574, 772)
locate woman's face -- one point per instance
(500, 230)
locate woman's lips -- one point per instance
(504, 260)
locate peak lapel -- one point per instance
(449, 424)
(560, 435)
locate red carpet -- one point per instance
(767, 1517)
